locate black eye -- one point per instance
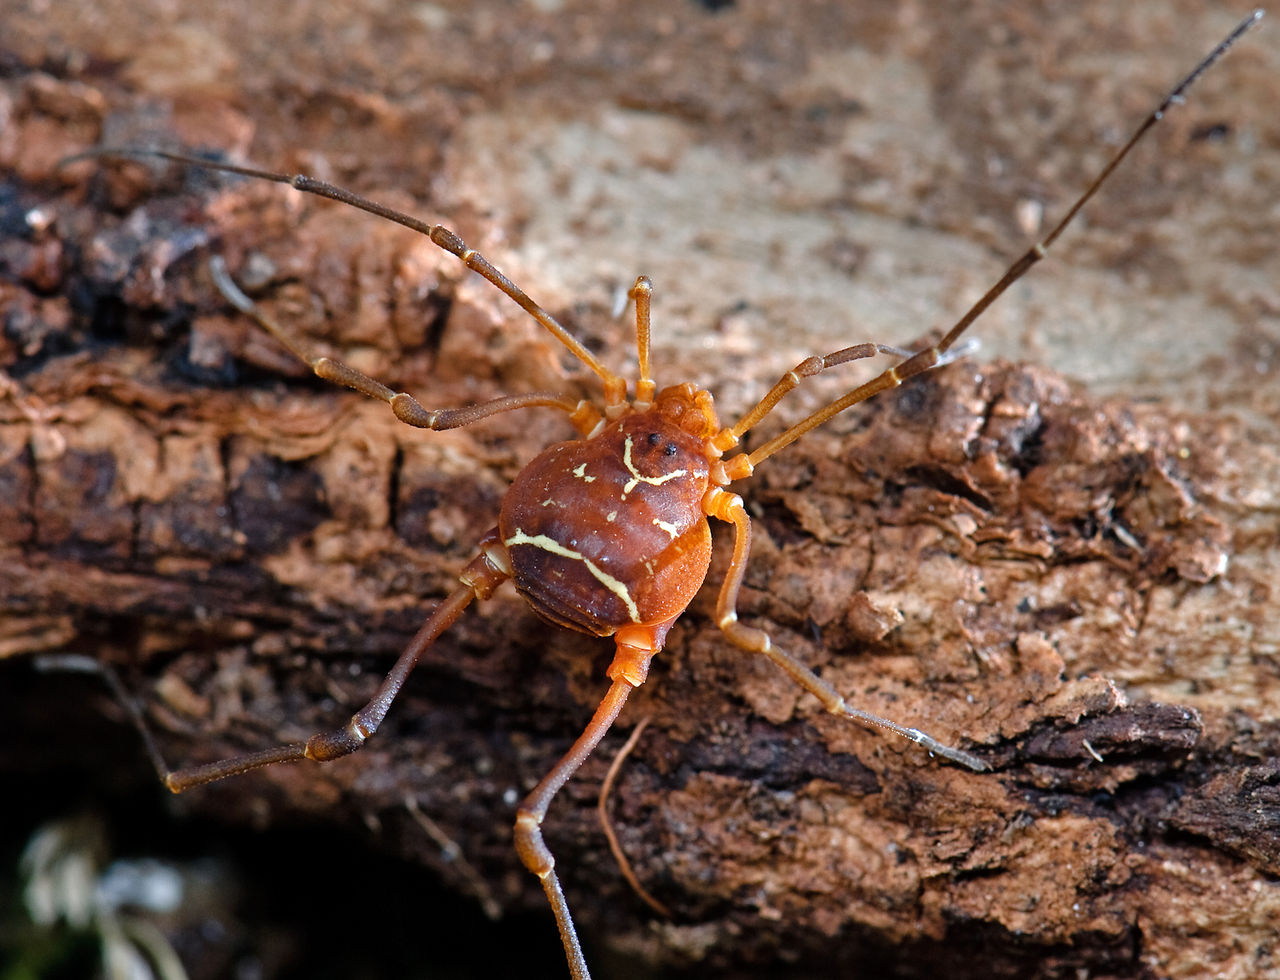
(669, 449)
(654, 438)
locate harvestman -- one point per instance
(608, 534)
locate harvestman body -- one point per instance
(608, 534)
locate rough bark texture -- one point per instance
(1076, 582)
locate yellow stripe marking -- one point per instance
(556, 548)
(637, 477)
(671, 529)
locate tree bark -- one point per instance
(1076, 586)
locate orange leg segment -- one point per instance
(533, 850)
(636, 647)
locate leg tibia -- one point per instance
(323, 746)
(531, 847)
(181, 780)
(406, 408)
(728, 507)
(758, 641)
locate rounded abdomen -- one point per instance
(609, 531)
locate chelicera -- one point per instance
(609, 534)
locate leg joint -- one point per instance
(326, 746)
(533, 851)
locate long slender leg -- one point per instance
(615, 386)
(533, 850)
(479, 579)
(406, 408)
(808, 368)
(930, 356)
(325, 746)
(602, 810)
(728, 507)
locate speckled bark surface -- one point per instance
(1074, 579)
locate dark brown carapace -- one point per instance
(609, 534)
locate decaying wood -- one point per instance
(1079, 587)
